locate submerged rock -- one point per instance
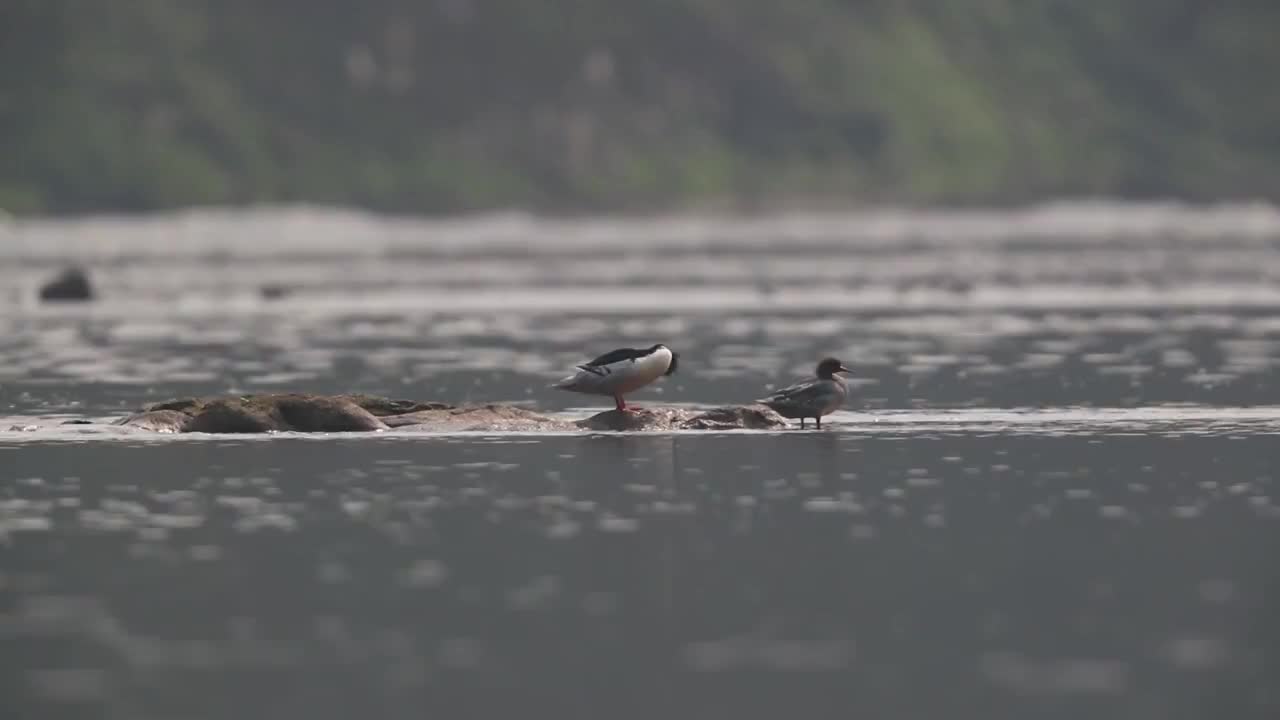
(71, 285)
(383, 407)
(168, 421)
(736, 417)
(256, 414)
(282, 413)
(181, 405)
(363, 413)
(496, 418)
(636, 419)
(733, 417)
(273, 292)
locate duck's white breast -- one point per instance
(633, 375)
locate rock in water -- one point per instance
(383, 407)
(235, 415)
(164, 421)
(736, 417)
(310, 413)
(478, 418)
(273, 292)
(257, 414)
(362, 413)
(635, 419)
(182, 405)
(70, 286)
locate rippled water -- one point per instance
(1053, 493)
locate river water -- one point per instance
(1053, 492)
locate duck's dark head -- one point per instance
(829, 367)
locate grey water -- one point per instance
(1052, 494)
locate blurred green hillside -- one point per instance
(579, 105)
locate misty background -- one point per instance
(573, 106)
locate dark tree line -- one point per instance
(587, 105)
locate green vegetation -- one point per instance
(618, 105)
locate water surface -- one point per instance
(1052, 495)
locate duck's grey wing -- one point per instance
(603, 375)
(801, 394)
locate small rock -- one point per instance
(488, 417)
(634, 419)
(164, 421)
(72, 285)
(273, 292)
(746, 417)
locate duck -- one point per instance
(621, 371)
(814, 398)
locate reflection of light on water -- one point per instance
(762, 652)
(1021, 674)
(751, 559)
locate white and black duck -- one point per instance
(621, 371)
(814, 398)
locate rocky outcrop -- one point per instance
(364, 413)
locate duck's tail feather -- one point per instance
(568, 383)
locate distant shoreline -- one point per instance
(310, 228)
